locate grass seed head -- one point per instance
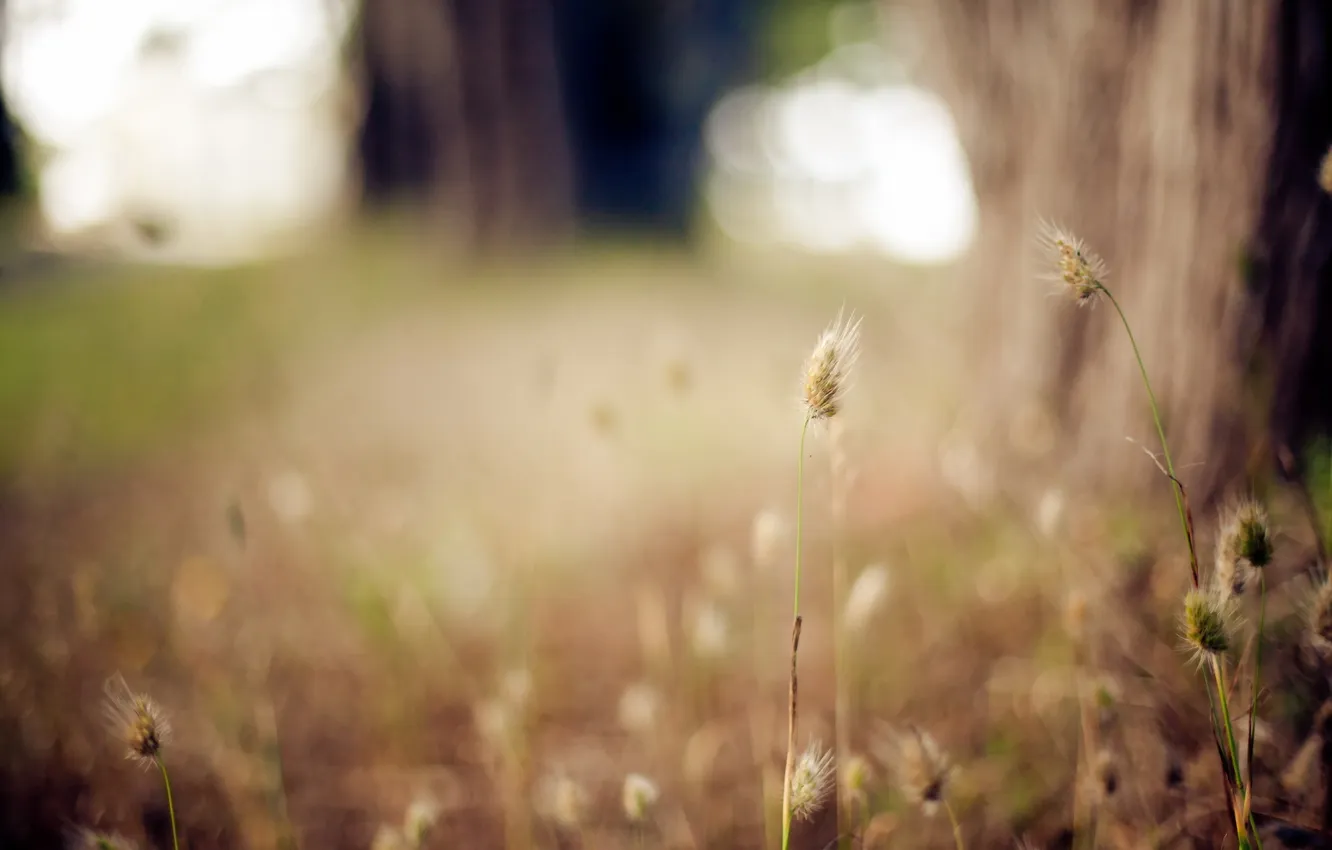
(1246, 536)
(1079, 270)
(812, 781)
(640, 794)
(1207, 622)
(388, 838)
(136, 721)
(766, 538)
(88, 839)
(856, 776)
(563, 800)
(419, 820)
(920, 766)
(829, 366)
(867, 594)
(709, 630)
(639, 708)
(1319, 616)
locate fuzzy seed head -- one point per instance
(1107, 774)
(640, 706)
(563, 800)
(867, 594)
(495, 721)
(136, 721)
(388, 838)
(1320, 618)
(812, 781)
(640, 794)
(829, 366)
(1232, 575)
(766, 538)
(1079, 270)
(1246, 536)
(710, 631)
(921, 767)
(856, 776)
(419, 820)
(1325, 173)
(88, 839)
(1206, 624)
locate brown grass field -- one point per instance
(375, 530)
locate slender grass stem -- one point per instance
(1257, 666)
(1229, 750)
(1244, 820)
(171, 806)
(795, 644)
(1257, 687)
(957, 827)
(841, 695)
(1219, 672)
(1160, 430)
(800, 510)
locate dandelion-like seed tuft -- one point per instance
(1206, 624)
(829, 366)
(1079, 269)
(136, 721)
(920, 766)
(812, 781)
(640, 794)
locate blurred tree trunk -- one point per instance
(462, 112)
(1144, 126)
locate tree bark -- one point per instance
(1144, 126)
(462, 112)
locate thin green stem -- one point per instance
(1220, 673)
(1235, 768)
(1257, 666)
(1257, 686)
(841, 695)
(957, 827)
(800, 509)
(795, 643)
(171, 806)
(1160, 429)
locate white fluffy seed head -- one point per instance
(709, 630)
(419, 820)
(867, 594)
(812, 781)
(766, 538)
(136, 721)
(639, 708)
(920, 766)
(829, 366)
(563, 800)
(639, 795)
(1079, 271)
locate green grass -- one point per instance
(100, 364)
